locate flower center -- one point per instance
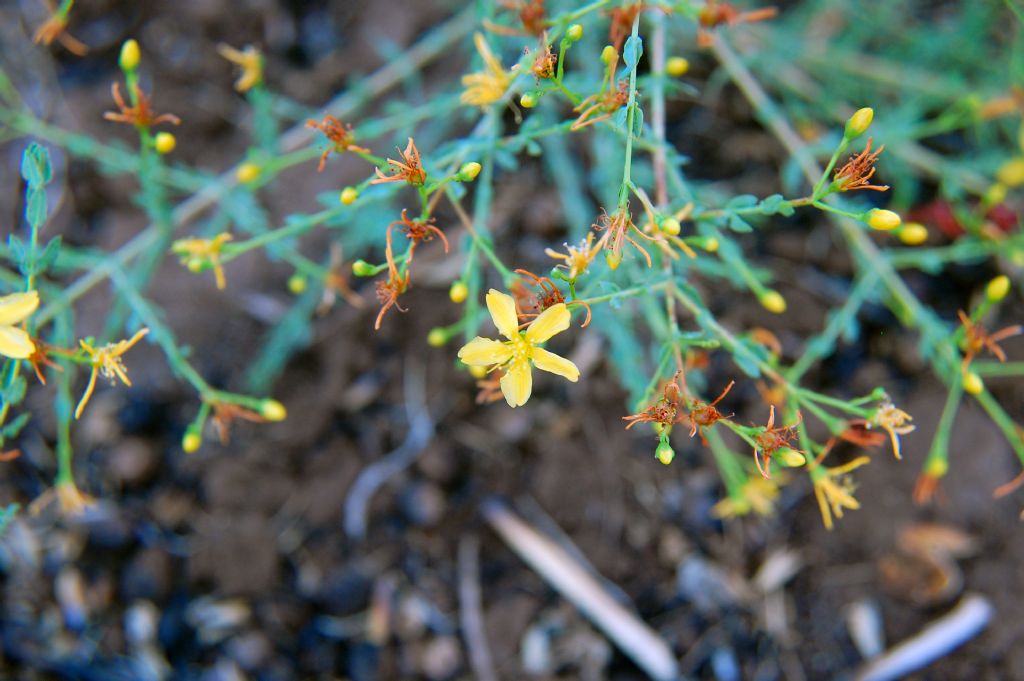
(522, 350)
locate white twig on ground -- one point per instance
(634, 637)
(938, 639)
(371, 478)
(471, 609)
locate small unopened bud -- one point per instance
(272, 410)
(613, 259)
(609, 55)
(348, 196)
(671, 226)
(191, 442)
(997, 288)
(677, 66)
(913, 234)
(883, 220)
(936, 467)
(973, 385)
(1011, 173)
(247, 172)
(130, 55)
(164, 142)
(361, 268)
(478, 372)
(711, 244)
(859, 123)
(994, 195)
(528, 100)
(458, 292)
(773, 301)
(574, 33)
(664, 453)
(437, 337)
(790, 458)
(296, 284)
(468, 172)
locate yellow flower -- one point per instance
(577, 258)
(834, 489)
(249, 60)
(106, 360)
(199, 254)
(521, 349)
(758, 494)
(893, 420)
(14, 309)
(489, 85)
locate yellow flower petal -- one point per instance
(503, 311)
(517, 384)
(553, 320)
(484, 352)
(17, 306)
(549, 361)
(15, 343)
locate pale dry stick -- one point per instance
(634, 637)
(938, 639)
(371, 478)
(431, 46)
(471, 615)
(660, 163)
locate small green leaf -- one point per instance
(35, 165)
(15, 392)
(632, 52)
(738, 224)
(35, 207)
(48, 256)
(13, 428)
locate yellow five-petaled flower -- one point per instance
(14, 309)
(106, 360)
(522, 348)
(487, 86)
(249, 60)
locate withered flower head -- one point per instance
(409, 169)
(340, 136)
(857, 172)
(140, 115)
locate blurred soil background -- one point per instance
(234, 562)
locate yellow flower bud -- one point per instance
(671, 226)
(247, 172)
(711, 244)
(936, 467)
(468, 172)
(609, 55)
(973, 384)
(130, 55)
(191, 442)
(437, 337)
(859, 123)
(1011, 173)
(528, 100)
(478, 372)
(913, 234)
(574, 33)
(361, 268)
(997, 288)
(613, 259)
(790, 458)
(773, 301)
(664, 453)
(297, 283)
(883, 220)
(458, 292)
(994, 194)
(677, 66)
(164, 142)
(272, 410)
(348, 196)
